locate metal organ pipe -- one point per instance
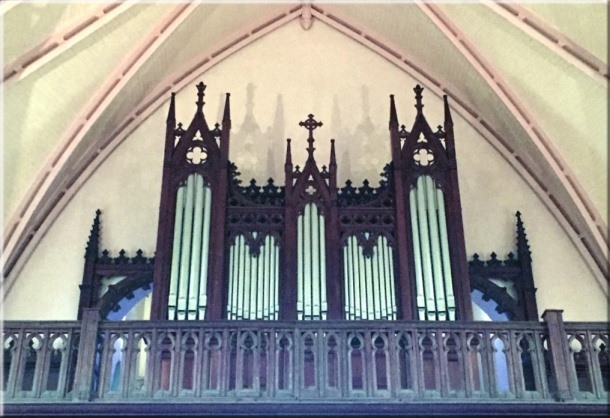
(311, 259)
(435, 248)
(175, 268)
(253, 280)
(448, 279)
(435, 300)
(368, 281)
(189, 268)
(195, 278)
(185, 250)
(205, 247)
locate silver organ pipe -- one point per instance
(368, 281)
(311, 259)
(189, 268)
(253, 284)
(435, 299)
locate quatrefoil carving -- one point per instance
(196, 155)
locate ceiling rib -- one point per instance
(59, 42)
(36, 197)
(553, 39)
(392, 53)
(22, 247)
(539, 138)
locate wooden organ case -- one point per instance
(310, 250)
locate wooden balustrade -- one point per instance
(376, 361)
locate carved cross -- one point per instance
(310, 124)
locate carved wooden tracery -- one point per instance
(256, 254)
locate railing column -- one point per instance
(558, 349)
(86, 355)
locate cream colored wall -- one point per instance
(275, 83)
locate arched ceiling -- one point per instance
(78, 78)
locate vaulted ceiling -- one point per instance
(79, 77)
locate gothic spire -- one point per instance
(393, 115)
(333, 157)
(288, 162)
(226, 117)
(448, 119)
(523, 248)
(92, 250)
(171, 114)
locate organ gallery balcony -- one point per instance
(306, 366)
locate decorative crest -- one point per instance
(419, 106)
(200, 93)
(310, 124)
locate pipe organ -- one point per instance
(310, 250)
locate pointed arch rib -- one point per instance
(30, 223)
(22, 232)
(554, 39)
(592, 243)
(60, 41)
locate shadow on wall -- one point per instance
(260, 153)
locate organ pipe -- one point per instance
(445, 254)
(253, 280)
(195, 263)
(188, 273)
(435, 299)
(368, 281)
(175, 268)
(311, 259)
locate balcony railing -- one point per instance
(366, 361)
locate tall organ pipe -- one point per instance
(424, 237)
(175, 268)
(311, 303)
(417, 257)
(445, 254)
(195, 262)
(185, 253)
(435, 247)
(431, 251)
(188, 273)
(205, 247)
